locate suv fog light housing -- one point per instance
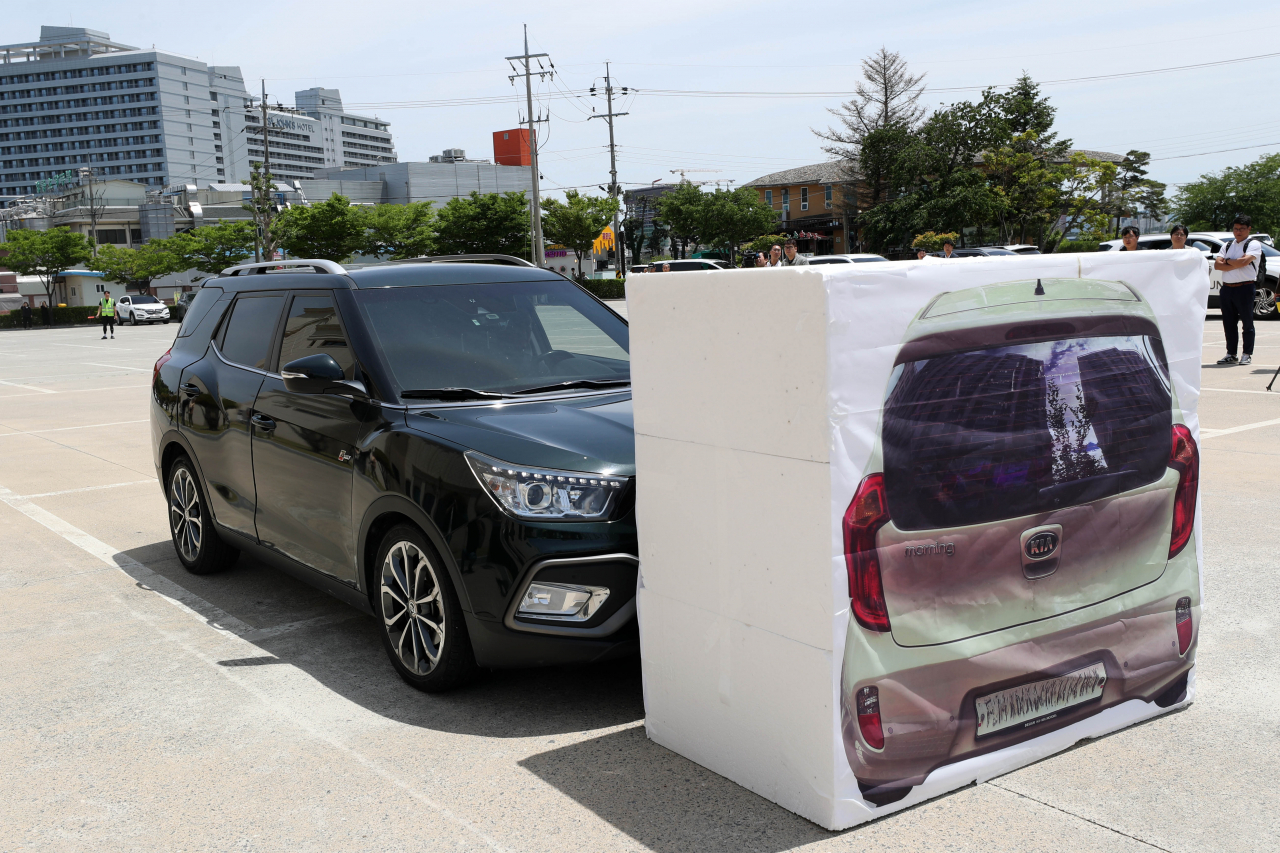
(561, 601)
(527, 492)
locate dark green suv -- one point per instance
(447, 446)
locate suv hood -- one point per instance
(595, 433)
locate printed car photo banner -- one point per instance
(908, 526)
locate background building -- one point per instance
(76, 99)
(349, 141)
(448, 175)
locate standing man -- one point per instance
(775, 256)
(1238, 262)
(26, 315)
(46, 316)
(948, 248)
(790, 258)
(107, 314)
(921, 254)
(1178, 237)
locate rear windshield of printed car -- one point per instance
(979, 436)
(501, 337)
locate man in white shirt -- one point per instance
(1238, 262)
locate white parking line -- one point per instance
(89, 489)
(116, 366)
(64, 429)
(1238, 391)
(1214, 433)
(72, 391)
(28, 387)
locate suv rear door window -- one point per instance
(199, 306)
(313, 327)
(979, 436)
(246, 339)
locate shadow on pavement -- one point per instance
(341, 648)
(665, 801)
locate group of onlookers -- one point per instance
(26, 315)
(779, 256)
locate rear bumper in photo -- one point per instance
(929, 714)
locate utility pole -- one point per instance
(618, 254)
(262, 205)
(87, 173)
(535, 206)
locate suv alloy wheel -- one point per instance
(1264, 302)
(200, 548)
(422, 627)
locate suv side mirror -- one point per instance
(319, 374)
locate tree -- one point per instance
(577, 221)
(212, 248)
(731, 217)
(932, 242)
(1029, 185)
(1133, 193)
(399, 231)
(765, 242)
(633, 226)
(681, 211)
(1213, 201)
(888, 94)
(46, 254)
(332, 230)
(262, 205)
(136, 267)
(484, 224)
(1085, 183)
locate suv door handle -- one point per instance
(189, 388)
(263, 422)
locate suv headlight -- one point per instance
(527, 492)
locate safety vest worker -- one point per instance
(107, 314)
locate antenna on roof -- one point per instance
(1039, 288)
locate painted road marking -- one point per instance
(115, 366)
(28, 387)
(1214, 433)
(64, 429)
(89, 489)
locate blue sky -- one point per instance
(385, 53)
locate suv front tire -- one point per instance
(422, 624)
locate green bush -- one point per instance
(1076, 246)
(606, 288)
(69, 316)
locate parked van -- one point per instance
(1020, 552)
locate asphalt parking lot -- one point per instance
(144, 708)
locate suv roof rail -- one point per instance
(317, 264)
(505, 260)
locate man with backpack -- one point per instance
(1242, 265)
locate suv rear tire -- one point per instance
(422, 625)
(1264, 302)
(195, 539)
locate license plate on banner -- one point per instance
(1039, 702)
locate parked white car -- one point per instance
(845, 259)
(133, 310)
(1022, 249)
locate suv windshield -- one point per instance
(979, 436)
(500, 338)
(145, 300)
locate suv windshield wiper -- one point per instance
(450, 394)
(575, 383)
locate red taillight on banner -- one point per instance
(1184, 457)
(867, 513)
(160, 362)
(1182, 617)
(868, 706)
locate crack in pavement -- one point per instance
(1081, 817)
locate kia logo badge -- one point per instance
(1043, 544)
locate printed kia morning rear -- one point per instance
(1020, 554)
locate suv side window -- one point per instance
(246, 336)
(313, 327)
